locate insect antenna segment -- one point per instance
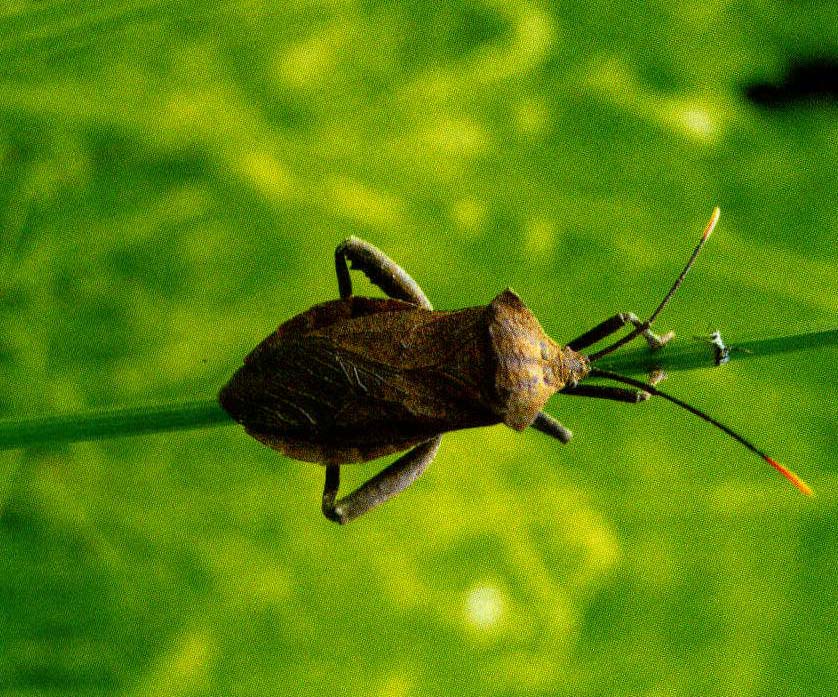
(643, 328)
(796, 481)
(714, 218)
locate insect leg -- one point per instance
(379, 268)
(618, 394)
(547, 424)
(383, 486)
(614, 324)
(330, 489)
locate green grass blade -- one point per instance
(111, 423)
(699, 353)
(131, 421)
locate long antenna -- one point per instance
(796, 481)
(714, 218)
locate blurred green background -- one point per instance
(175, 177)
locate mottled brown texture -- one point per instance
(354, 379)
(531, 367)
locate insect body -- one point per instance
(358, 378)
(354, 379)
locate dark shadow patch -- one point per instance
(806, 82)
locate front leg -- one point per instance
(382, 487)
(618, 394)
(614, 324)
(379, 268)
(547, 424)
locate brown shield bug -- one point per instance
(358, 378)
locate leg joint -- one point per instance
(335, 514)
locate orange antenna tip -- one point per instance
(714, 218)
(796, 481)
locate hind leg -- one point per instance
(382, 487)
(379, 268)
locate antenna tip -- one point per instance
(714, 218)
(796, 481)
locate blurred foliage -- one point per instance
(175, 178)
